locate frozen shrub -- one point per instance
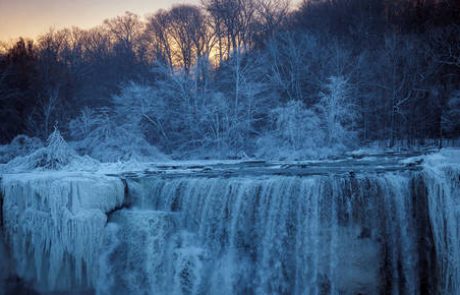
(87, 121)
(58, 152)
(54, 156)
(21, 145)
(111, 143)
(296, 134)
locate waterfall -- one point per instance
(53, 224)
(388, 231)
(443, 184)
(270, 235)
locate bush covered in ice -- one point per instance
(297, 133)
(117, 143)
(21, 145)
(110, 136)
(56, 155)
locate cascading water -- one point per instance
(273, 235)
(443, 185)
(390, 230)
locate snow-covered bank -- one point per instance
(53, 225)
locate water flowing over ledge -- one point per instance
(367, 226)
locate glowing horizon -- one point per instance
(31, 18)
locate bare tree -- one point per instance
(158, 37)
(125, 32)
(446, 49)
(290, 58)
(231, 21)
(401, 80)
(450, 119)
(271, 15)
(180, 37)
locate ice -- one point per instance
(54, 224)
(276, 235)
(442, 176)
(136, 251)
(198, 229)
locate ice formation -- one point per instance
(280, 235)
(391, 231)
(136, 263)
(443, 185)
(54, 223)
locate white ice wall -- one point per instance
(54, 223)
(442, 177)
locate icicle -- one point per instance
(443, 184)
(275, 235)
(54, 223)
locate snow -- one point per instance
(447, 157)
(54, 223)
(56, 155)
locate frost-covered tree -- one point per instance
(216, 123)
(87, 121)
(337, 111)
(137, 103)
(112, 135)
(295, 133)
(56, 155)
(290, 57)
(298, 126)
(451, 115)
(244, 85)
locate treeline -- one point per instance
(243, 77)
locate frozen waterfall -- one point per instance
(53, 225)
(392, 231)
(274, 235)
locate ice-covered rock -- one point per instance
(54, 224)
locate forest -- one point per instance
(238, 79)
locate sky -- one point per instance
(29, 18)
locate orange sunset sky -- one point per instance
(29, 18)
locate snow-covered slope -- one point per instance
(54, 223)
